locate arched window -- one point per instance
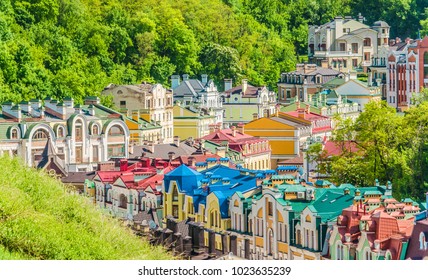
(174, 194)
(122, 201)
(40, 135)
(270, 242)
(78, 130)
(95, 129)
(60, 132)
(14, 133)
(116, 130)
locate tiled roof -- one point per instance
(162, 150)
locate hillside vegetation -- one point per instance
(39, 219)
(74, 48)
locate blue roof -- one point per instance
(232, 182)
(187, 179)
(224, 159)
(202, 163)
(211, 159)
(270, 171)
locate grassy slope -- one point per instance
(40, 220)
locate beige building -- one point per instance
(347, 44)
(150, 102)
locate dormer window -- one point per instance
(95, 130)
(60, 132)
(14, 133)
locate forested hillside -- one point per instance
(39, 219)
(63, 48)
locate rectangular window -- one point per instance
(270, 209)
(367, 56)
(355, 62)
(95, 153)
(79, 155)
(354, 47)
(288, 93)
(122, 104)
(345, 63)
(78, 133)
(175, 211)
(342, 47)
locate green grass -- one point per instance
(39, 219)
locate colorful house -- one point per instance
(192, 122)
(61, 136)
(132, 189)
(204, 197)
(146, 104)
(255, 152)
(245, 102)
(376, 226)
(304, 82)
(200, 94)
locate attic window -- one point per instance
(14, 133)
(60, 132)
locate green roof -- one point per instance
(372, 193)
(333, 83)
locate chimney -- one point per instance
(123, 164)
(397, 40)
(191, 161)
(68, 102)
(227, 84)
(255, 116)
(204, 79)
(42, 112)
(177, 141)
(220, 151)
(171, 155)
(301, 113)
(35, 104)
(91, 110)
(324, 63)
(92, 100)
(360, 18)
(277, 109)
(175, 81)
(185, 77)
(77, 109)
(241, 128)
(26, 107)
(244, 85)
(234, 131)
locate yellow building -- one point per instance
(283, 136)
(191, 122)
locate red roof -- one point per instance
(335, 149)
(235, 139)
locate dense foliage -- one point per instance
(39, 219)
(63, 48)
(391, 147)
